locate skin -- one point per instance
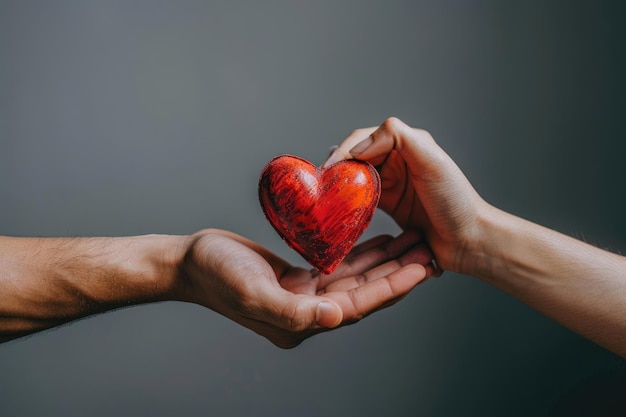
(578, 285)
(45, 282)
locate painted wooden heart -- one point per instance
(320, 213)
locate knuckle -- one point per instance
(357, 302)
(424, 134)
(294, 317)
(393, 124)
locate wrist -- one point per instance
(512, 253)
(485, 251)
(155, 272)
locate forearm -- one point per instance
(45, 282)
(576, 284)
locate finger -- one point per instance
(297, 313)
(342, 151)
(369, 244)
(416, 146)
(299, 280)
(358, 249)
(420, 254)
(373, 255)
(363, 300)
(345, 267)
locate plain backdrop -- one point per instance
(134, 117)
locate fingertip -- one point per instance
(328, 314)
(337, 155)
(409, 276)
(419, 254)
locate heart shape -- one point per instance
(320, 213)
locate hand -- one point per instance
(576, 284)
(250, 285)
(422, 188)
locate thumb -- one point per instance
(328, 314)
(297, 313)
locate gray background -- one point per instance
(125, 118)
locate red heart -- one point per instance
(320, 213)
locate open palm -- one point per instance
(287, 304)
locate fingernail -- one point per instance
(326, 315)
(360, 147)
(332, 159)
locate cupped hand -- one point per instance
(286, 304)
(422, 187)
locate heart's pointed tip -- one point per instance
(323, 266)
